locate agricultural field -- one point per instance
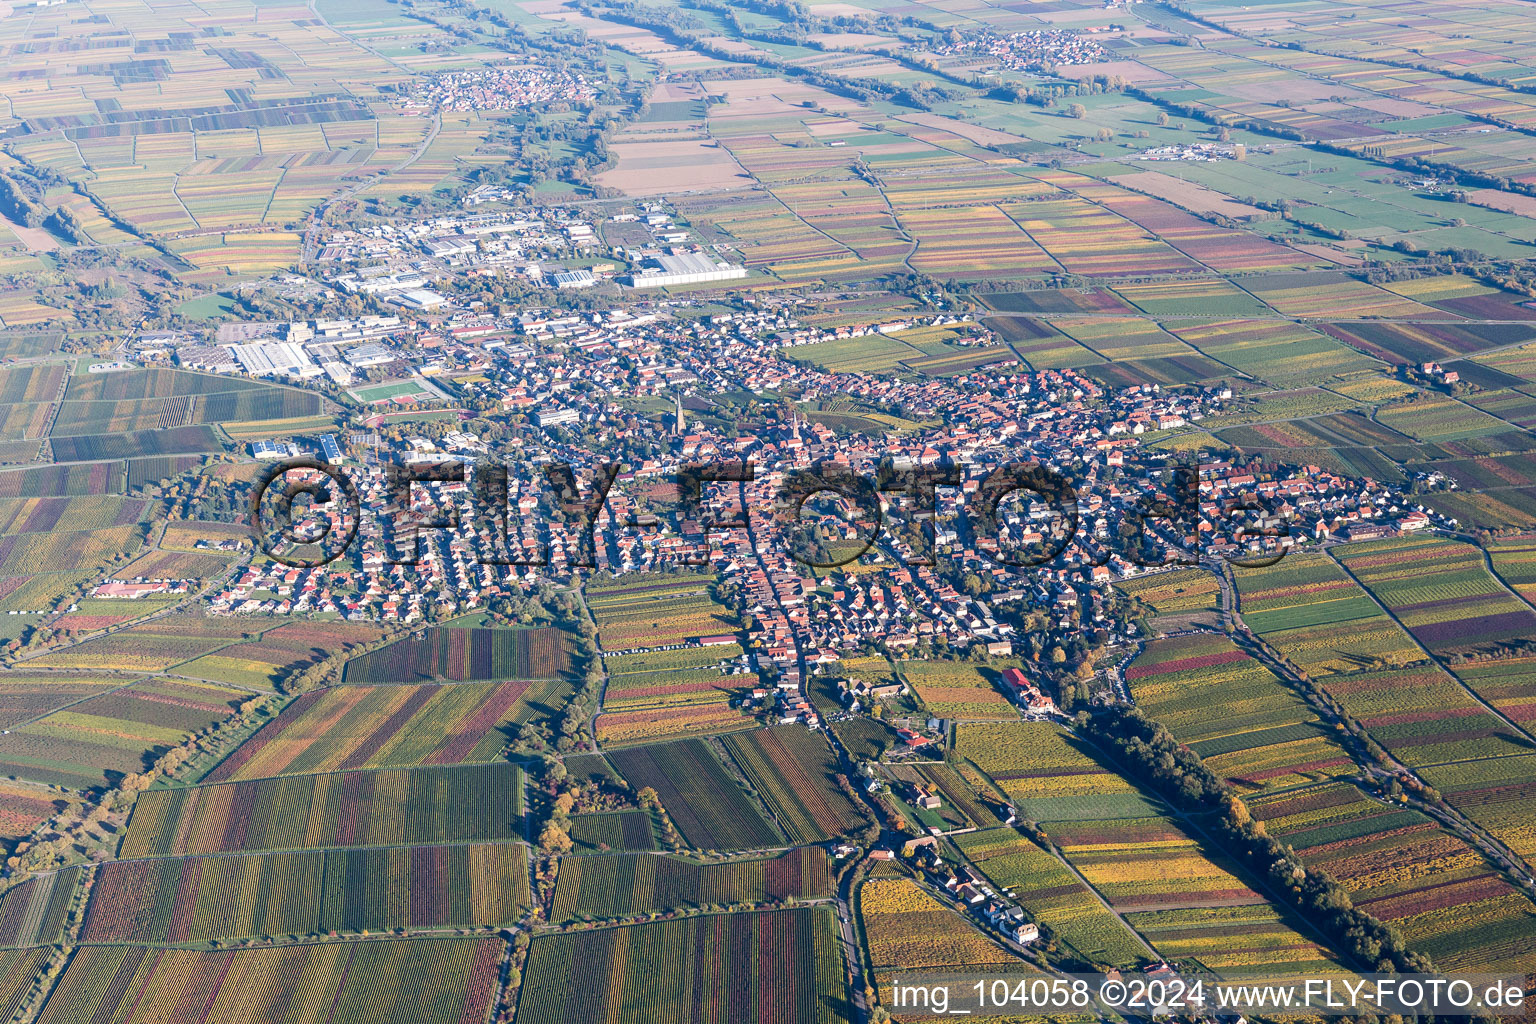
(27, 554)
(1491, 471)
(654, 611)
(1206, 295)
(1320, 619)
(151, 647)
(875, 354)
(34, 913)
(41, 593)
(796, 773)
(1441, 591)
(1436, 418)
(691, 677)
(65, 481)
(24, 806)
(463, 654)
(1511, 509)
(1150, 864)
(1176, 592)
(709, 808)
(905, 929)
(1052, 896)
(155, 382)
(635, 884)
(31, 384)
(76, 417)
(993, 245)
(97, 741)
(1423, 715)
(1509, 684)
(1404, 869)
(19, 970)
(1246, 725)
(957, 690)
(1237, 941)
(195, 899)
(1494, 792)
(91, 613)
(278, 653)
(173, 440)
(430, 981)
(1040, 345)
(654, 725)
(1325, 292)
(776, 967)
(1049, 774)
(474, 803)
(612, 830)
(1402, 344)
(341, 728)
(26, 696)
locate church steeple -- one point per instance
(679, 420)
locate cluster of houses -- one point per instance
(1025, 51)
(510, 86)
(560, 372)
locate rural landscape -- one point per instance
(692, 511)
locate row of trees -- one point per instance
(1154, 756)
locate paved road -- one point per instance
(851, 954)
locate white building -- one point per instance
(688, 268)
(370, 354)
(273, 449)
(418, 298)
(555, 417)
(212, 358)
(275, 359)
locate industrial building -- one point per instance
(371, 354)
(275, 359)
(567, 279)
(274, 449)
(418, 298)
(688, 268)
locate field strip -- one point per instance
(285, 851)
(1036, 242)
(1495, 712)
(602, 925)
(1261, 884)
(66, 707)
(521, 765)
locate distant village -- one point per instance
(504, 87)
